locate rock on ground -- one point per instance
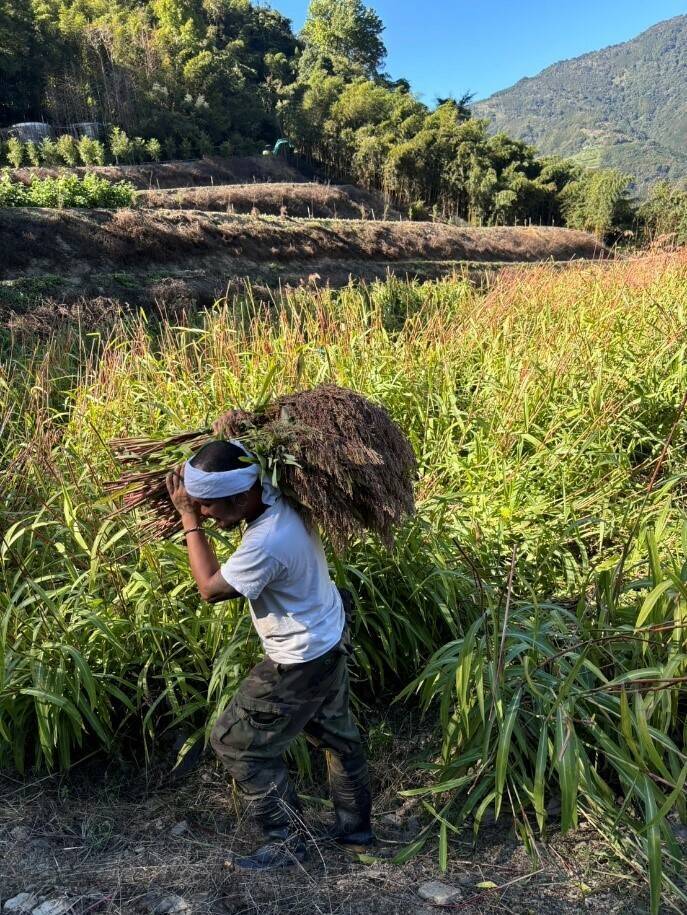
(168, 905)
(440, 893)
(53, 907)
(21, 904)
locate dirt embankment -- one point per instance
(64, 241)
(278, 198)
(186, 259)
(195, 173)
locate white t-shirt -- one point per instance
(281, 568)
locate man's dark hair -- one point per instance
(216, 457)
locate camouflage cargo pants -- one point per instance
(273, 705)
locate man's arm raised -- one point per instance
(204, 566)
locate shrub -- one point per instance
(33, 153)
(417, 210)
(68, 149)
(91, 152)
(66, 191)
(102, 193)
(12, 193)
(48, 152)
(15, 152)
(154, 149)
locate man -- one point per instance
(301, 686)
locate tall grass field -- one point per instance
(535, 607)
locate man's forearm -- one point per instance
(201, 555)
(203, 562)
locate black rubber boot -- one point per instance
(279, 813)
(357, 838)
(283, 848)
(352, 796)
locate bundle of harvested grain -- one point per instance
(340, 459)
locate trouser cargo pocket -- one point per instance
(262, 714)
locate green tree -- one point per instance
(91, 152)
(198, 75)
(48, 152)
(204, 144)
(33, 153)
(120, 145)
(597, 202)
(346, 34)
(186, 148)
(154, 149)
(22, 72)
(664, 213)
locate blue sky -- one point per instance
(448, 47)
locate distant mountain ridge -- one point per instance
(624, 106)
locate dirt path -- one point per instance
(119, 840)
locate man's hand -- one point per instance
(225, 426)
(181, 500)
(204, 566)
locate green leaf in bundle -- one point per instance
(443, 847)
(414, 848)
(650, 602)
(263, 395)
(626, 726)
(645, 736)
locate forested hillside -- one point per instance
(623, 107)
(166, 79)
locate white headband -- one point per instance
(203, 484)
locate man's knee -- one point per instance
(340, 737)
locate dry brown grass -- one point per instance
(70, 240)
(199, 172)
(274, 199)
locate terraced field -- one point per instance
(279, 198)
(202, 228)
